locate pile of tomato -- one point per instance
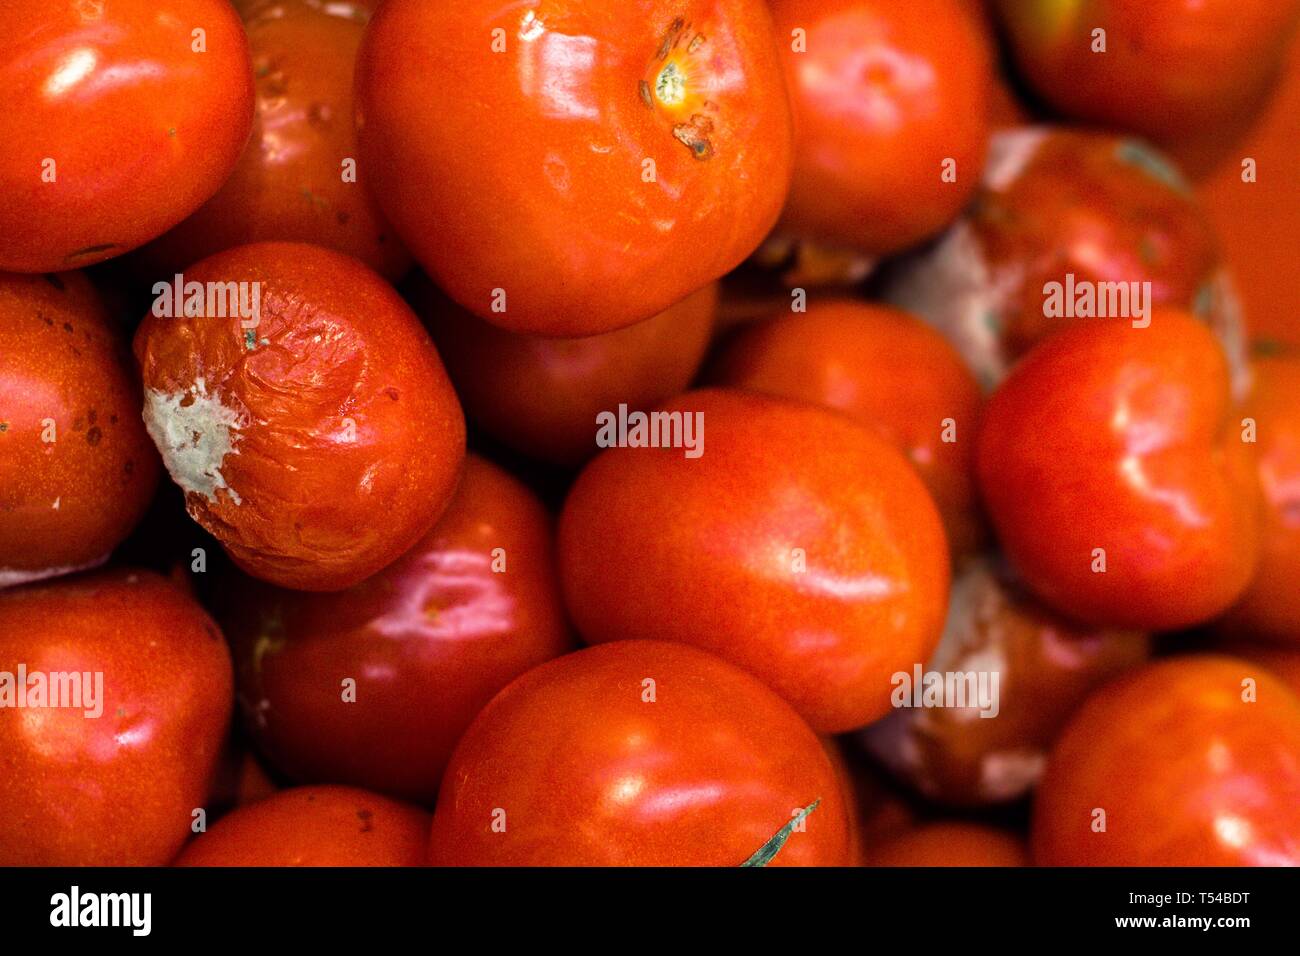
(593, 432)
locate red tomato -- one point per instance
(1045, 666)
(77, 470)
(315, 826)
(1123, 439)
(798, 545)
(584, 164)
(293, 181)
(120, 118)
(427, 641)
(951, 844)
(637, 753)
(1187, 771)
(541, 396)
(327, 449)
(116, 780)
(884, 94)
(890, 372)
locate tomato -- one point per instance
(1187, 770)
(863, 359)
(637, 753)
(77, 470)
(1044, 664)
(1174, 70)
(314, 826)
(1112, 467)
(541, 396)
(584, 164)
(113, 775)
(293, 181)
(1065, 206)
(1270, 608)
(884, 95)
(798, 545)
(951, 844)
(426, 642)
(120, 119)
(325, 450)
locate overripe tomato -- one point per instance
(637, 753)
(315, 826)
(297, 179)
(583, 164)
(1044, 664)
(1176, 765)
(426, 642)
(113, 780)
(77, 470)
(951, 844)
(120, 118)
(890, 104)
(798, 544)
(1114, 473)
(890, 372)
(319, 445)
(541, 396)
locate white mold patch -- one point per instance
(194, 433)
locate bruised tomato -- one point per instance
(298, 178)
(319, 439)
(571, 167)
(77, 470)
(1191, 761)
(425, 643)
(120, 118)
(890, 372)
(891, 117)
(542, 396)
(951, 844)
(315, 826)
(113, 774)
(796, 544)
(1114, 471)
(992, 750)
(638, 753)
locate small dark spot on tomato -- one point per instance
(4, 426)
(67, 326)
(55, 281)
(367, 820)
(343, 217)
(112, 419)
(391, 393)
(129, 467)
(94, 435)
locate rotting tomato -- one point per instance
(115, 781)
(318, 440)
(583, 165)
(120, 120)
(541, 396)
(1190, 761)
(77, 470)
(951, 844)
(293, 181)
(314, 826)
(426, 643)
(891, 111)
(890, 372)
(1115, 475)
(638, 753)
(798, 545)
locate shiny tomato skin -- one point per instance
(883, 94)
(328, 449)
(510, 145)
(289, 184)
(637, 753)
(1125, 440)
(119, 789)
(428, 641)
(314, 826)
(799, 545)
(140, 128)
(1188, 772)
(948, 843)
(887, 370)
(77, 470)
